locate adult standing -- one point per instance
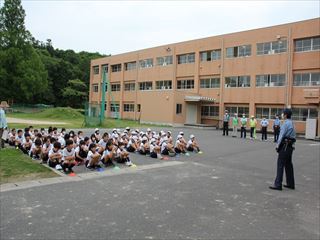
(276, 128)
(285, 147)
(264, 127)
(235, 122)
(3, 123)
(243, 122)
(226, 118)
(253, 125)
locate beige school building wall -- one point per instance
(240, 68)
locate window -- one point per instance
(116, 68)
(178, 108)
(130, 66)
(186, 58)
(268, 113)
(95, 87)
(114, 107)
(145, 86)
(237, 81)
(270, 80)
(306, 79)
(239, 51)
(301, 114)
(272, 47)
(105, 68)
(238, 109)
(210, 83)
(164, 61)
(115, 87)
(307, 44)
(208, 56)
(185, 84)
(128, 107)
(167, 84)
(138, 107)
(146, 63)
(95, 70)
(210, 111)
(129, 86)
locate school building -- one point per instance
(256, 72)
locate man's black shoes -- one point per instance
(286, 186)
(275, 188)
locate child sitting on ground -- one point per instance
(35, 151)
(108, 154)
(12, 137)
(81, 152)
(144, 146)
(122, 156)
(68, 157)
(26, 143)
(192, 144)
(55, 156)
(46, 147)
(93, 157)
(179, 146)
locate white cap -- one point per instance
(148, 130)
(137, 130)
(135, 138)
(169, 132)
(163, 134)
(181, 133)
(191, 136)
(97, 129)
(144, 139)
(152, 140)
(133, 133)
(127, 128)
(114, 130)
(179, 137)
(125, 131)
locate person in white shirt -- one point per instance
(81, 152)
(109, 154)
(132, 144)
(103, 142)
(68, 157)
(97, 135)
(55, 156)
(192, 144)
(12, 137)
(26, 143)
(144, 146)
(93, 157)
(179, 146)
(46, 147)
(35, 151)
(19, 139)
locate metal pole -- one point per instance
(103, 96)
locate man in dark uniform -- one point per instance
(226, 118)
(285, 147)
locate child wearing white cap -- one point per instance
(144, 146)
(192, 144)
(179, 146)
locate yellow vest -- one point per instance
(253, 122)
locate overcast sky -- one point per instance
(122, 26)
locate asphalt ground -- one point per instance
(220, 194)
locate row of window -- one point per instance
(266, 48)
(298, 114)
(264, 80)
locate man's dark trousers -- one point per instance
(285, 163)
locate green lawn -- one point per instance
(16, 166)
(72, 117)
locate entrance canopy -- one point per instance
(199, 99)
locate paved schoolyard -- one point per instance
(221, 194)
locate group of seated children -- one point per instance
(62, 150)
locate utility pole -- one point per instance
(103, 95)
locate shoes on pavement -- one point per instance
(286, 186)
(275, 188)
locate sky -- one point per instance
(113, 27)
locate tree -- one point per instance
(22, 74)
(75, 93)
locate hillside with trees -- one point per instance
(32, 71)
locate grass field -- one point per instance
(72, 117)
(16, 166)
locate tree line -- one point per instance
(32, 71)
